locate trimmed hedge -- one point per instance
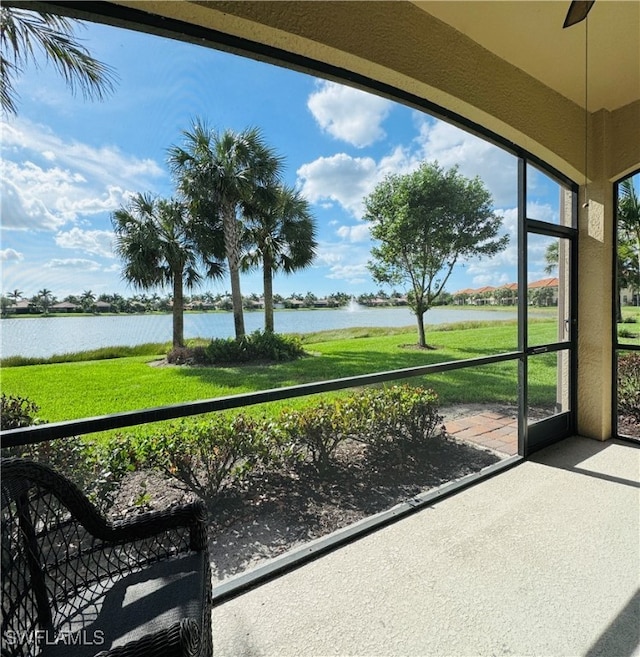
(212, 455)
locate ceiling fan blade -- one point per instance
(578, 10)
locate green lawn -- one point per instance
(629, 329)
(67, 391)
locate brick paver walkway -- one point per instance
(488, 429)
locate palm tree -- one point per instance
(24, 32)
(16, 295)
(551, 257)
(87, 300)
(628, 257)
(155, 239)
(219, 174)
(45, 299)
(283, 233)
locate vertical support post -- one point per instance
(595, 288)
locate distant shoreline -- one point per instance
(162, 313)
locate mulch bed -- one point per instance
(273, 512)
(627, 426)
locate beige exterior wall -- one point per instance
(398, 44)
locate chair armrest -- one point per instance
(178, 640)
(151, 523)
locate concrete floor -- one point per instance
(541, 560)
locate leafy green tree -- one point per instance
(25, 33)
(220, 175)
(282, 235)
(155, 238)
(5, 304)
(425, 222)
(628, 238)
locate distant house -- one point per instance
(507, 295)
(544, 292)
(293, 303)
(102, 306)
(629, 297)
(23, 307)
(65, 307)
(484, 296)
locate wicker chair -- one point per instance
(75, 584)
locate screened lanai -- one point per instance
(564, 103)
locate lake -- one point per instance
(44, 336)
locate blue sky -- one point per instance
(67, 164)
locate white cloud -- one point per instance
(21, 205)
(494, 280)
(475, 156)
(345, 262)
(339, 178)
(80, 264)
(48, 182)
(347, 180)
(352, 274)
(359, 233)
(542, 212)
(349, 114)
(96, 242)
(10, 254)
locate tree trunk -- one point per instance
(422, 339)
(618, 308)
(267, 278)
(232, 250)
(178, 311)
(236, 300)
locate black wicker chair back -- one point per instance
(74, 583)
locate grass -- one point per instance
(86, 388)
(629, 329)
(103, 353)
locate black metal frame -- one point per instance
(617, 345)
(67, 429)
(532, 437)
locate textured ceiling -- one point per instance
(529, 35)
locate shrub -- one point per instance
(626, 333)
(187, 356)
(318, 429)
(396, 421)
(79, 461)
(258, 345)
(629, 385)
(17, 412)
(391, 421)
(210, 455)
